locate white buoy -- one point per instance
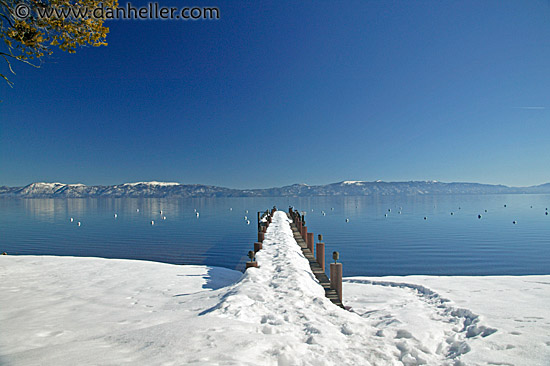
(78, 223)
(514, 222)
(246, 211)
(248, 222)
(164, 217)
(161, 212)
(425, 218)
(347, 220)
(152, 222)
(385, 215)
(195, 209)
(197, 214)
(137, 209)
(230, 208)
(116, 216)
(72, 219)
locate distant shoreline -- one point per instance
(345, 188)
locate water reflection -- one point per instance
(377, 240)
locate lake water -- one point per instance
(369, 244)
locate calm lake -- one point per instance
(371, 243)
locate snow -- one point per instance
(153, 183)
(350, 182)
(67, 311)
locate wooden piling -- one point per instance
(251, 264)
(310, 242)
(257, 247)
(321, 255)
(336, 278)
(260, 237)
(304, 232)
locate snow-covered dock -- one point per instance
(89, 311)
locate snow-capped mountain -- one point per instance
(345, 188)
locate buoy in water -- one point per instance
(116, 216)
(72, 219)
(425, 218)
(479, 216)
(514, 222)
(197, 214)
(78, 223)
(248, 222)
(152, 222)
(347, 220)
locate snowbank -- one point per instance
(68, 311)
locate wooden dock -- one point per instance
(315, 267)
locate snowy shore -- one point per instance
(92, 311)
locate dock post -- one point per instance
(304, 233)
(336, 278)
(251, 264)
(310, 242)
(257, 247)
(321, 253)
(260, 237)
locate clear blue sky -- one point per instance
(282, 92)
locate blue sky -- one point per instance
(282, 92)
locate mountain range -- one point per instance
(345, 188)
